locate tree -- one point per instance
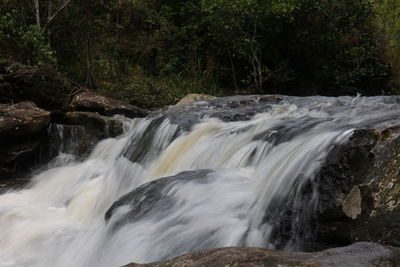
(389, 22)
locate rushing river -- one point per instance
(199, 177)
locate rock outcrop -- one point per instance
(93, 102)
(22, 134)
(359, 189)
(356, 255)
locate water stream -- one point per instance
(176, 182)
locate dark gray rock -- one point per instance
(233, 108)
(77, 132)
(101, 126)
(151, 198)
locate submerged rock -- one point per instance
(152, 198)
(94, 102)
(231, 108)
(356, 255)
(22, 136)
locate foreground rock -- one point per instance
(93, 102)
(22, 135)
(356, 255)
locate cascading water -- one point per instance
(227, 172)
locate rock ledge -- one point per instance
(356, 255)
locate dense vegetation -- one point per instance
(151, 52)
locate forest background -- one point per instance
(153, 52)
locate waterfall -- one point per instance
(213, 174)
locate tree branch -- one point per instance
(55, 14)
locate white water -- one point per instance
(59, 220)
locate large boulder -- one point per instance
(356, 255)
(94, 102)
(359, 189)
(23, 129)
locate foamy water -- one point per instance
(235, 175)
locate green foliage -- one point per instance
(147, 91)
(389, 22)
(335, 48)
(26, 40)
(296, 47)
(153, 51)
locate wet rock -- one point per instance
(359, 189)
(77, 132)
(74, 140)
(151, 198)
(22, 136)
(356, 255)
(232, 108)
(103, 126)
(94, 102)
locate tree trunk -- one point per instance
(233, 70)
(37, 12)
(50, 11)
(89, 64)
(257, 69)
(256, 61)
